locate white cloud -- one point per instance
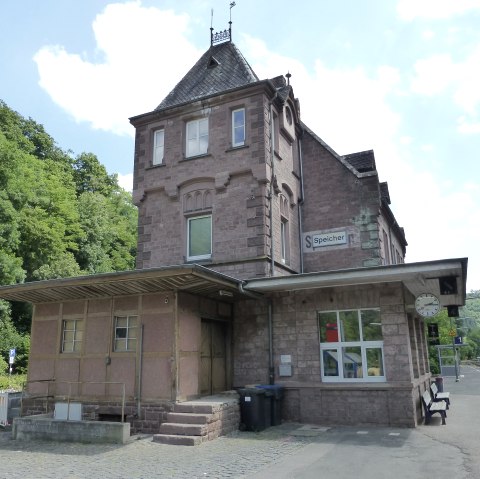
(467, 127)
(428, 34)
(347, 107)
(434, 9)
(433, 75)
(125, 181)
(440, 74)
(134, 72)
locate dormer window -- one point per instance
(158, 147)
(197, 137)
(238, 127)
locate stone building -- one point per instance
(263, 257)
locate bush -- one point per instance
(15, 382)
(3, 366)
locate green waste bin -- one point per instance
(275, 393)
(255, 409)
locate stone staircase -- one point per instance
(200, 420)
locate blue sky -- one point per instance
(400, 77)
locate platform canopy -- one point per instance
(446, 279)
(191, 278)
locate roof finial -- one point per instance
(288, 75)
(226, 35)
(211, 28)
(232, 4)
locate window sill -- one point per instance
(152, 167)
(188, 158)
(370, 380)
(235, 148)
(199, 261)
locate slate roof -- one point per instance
(384, 193)
(363, 161)
(221, 68)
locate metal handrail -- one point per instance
(69, 397)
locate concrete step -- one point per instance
(187, 418)
(170, 428)
(195, 408)
(178, 440)
(193, 422)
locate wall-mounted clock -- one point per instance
(427, 305)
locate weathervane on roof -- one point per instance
(288, 75)
(226, 35)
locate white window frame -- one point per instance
(241, 127)
(123, 343)
(194, 138)
(284, 240)
(203, 256)
(337, 349)
(72, 344)
(158, 147)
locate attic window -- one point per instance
(213, 62)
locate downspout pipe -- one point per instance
(271, 367)
(272, 157)
(300, 203)
(140, 368)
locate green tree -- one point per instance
(90, 175)
(59, 217)
(11, 338)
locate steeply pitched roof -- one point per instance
(221, 68)
(362, 161)
(384, 193)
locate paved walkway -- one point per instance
(288, 451)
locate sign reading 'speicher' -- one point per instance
(325, 239)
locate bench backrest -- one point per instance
(427, 399)
(434, 388)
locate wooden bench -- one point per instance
(437, 396)
(431, 407)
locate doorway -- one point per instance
(213, 357)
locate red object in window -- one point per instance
(332, 333)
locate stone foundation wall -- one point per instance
(224, 419)
(350, 406)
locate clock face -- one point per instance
(427, 305)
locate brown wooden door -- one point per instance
(213, 364)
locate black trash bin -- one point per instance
(275, 391)
(439, 383)
(255, 409)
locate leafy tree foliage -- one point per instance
(60, 216)
(467, 325)
(11, 338)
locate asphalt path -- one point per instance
(288, 451)
(434, 451)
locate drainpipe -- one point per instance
(271, 367)
(272, 154)
(300, 203)
(140, 368)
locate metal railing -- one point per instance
(54, 396)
